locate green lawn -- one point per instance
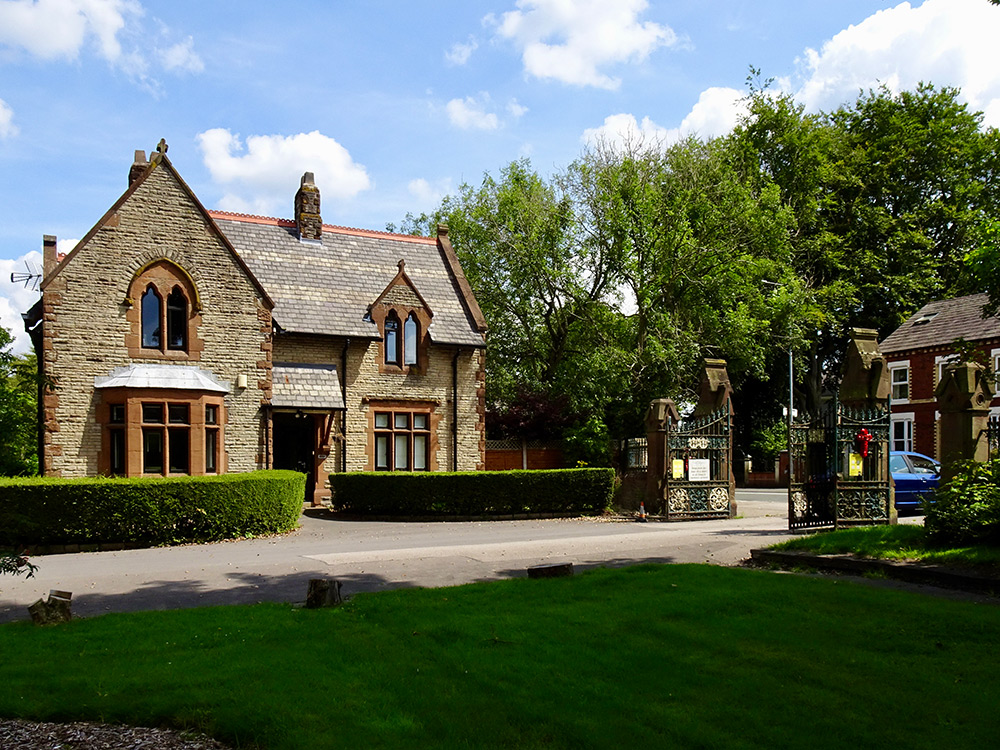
(680, 656)
(902, 542)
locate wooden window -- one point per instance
(177, 320)
(211, 439)
(164, 313)
(117, 439)
(411, 331)
(402, 440)
(151, 314)
(166, 438)
(391, 339)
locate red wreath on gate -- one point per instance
(864, 437)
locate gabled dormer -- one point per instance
(403, 319)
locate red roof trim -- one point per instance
(371, 233)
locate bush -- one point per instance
(173, 510)
(967, 509)
(576, 491)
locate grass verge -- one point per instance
(651, 656)
(901, 542)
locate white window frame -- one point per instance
(893, 368)
(939, 364)
(904, 418)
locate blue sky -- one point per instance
(395, 103)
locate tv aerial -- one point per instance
(30, 279)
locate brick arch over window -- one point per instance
(164, 313)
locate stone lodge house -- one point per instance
(916, 354)
(186, 341)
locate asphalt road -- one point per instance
(370, 556)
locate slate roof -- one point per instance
(326, 286)
(940, 323)
(182, 377)
(300, 386)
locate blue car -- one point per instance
(914, 475)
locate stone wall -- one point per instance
(365, 386)
(85, 312)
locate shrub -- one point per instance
(967, 509)
(577, 491)
(152, 511)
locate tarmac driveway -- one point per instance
(369, 556)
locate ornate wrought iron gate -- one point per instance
(698, 481)
(839, 474)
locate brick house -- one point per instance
(916, 354)
(187, 341)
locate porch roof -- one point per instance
(178, 377)
(302, 386)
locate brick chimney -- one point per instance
(50, 255)
(307, 217)
(138, 166)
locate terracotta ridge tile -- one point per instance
(334, 228)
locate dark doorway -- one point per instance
(294, 446)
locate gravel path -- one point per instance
(16, 734)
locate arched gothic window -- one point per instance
(411, 330)
(151, 318)
(164, 313)
(177, 319)
(391, 339)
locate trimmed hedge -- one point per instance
(175, 510)
(467, 493)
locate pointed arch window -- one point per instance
(151, 318)
(411, 334)
(177, 319)
(391, 342)
(164, 313)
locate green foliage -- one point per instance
(588, 444)
(582, 491)
(966, 510)
(770, 441)
(150, 511)
(18, 411)
(11, 564)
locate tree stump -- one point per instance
(552, 570)
(323, 592)
(53, 611)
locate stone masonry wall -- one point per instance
(365, 384)
(85, 323)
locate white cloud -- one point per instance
(181, 56)
(622, 131)
(946, 42)
(716, 113)
(52, 29)
(62, 29)
(7, 127)
(515, 109)
(263, 175)
(460, 52)
(16, 299)
(428, 195)
(470, 113)
(571, 41)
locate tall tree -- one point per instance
(18, 415)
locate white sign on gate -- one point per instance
(699, 470)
